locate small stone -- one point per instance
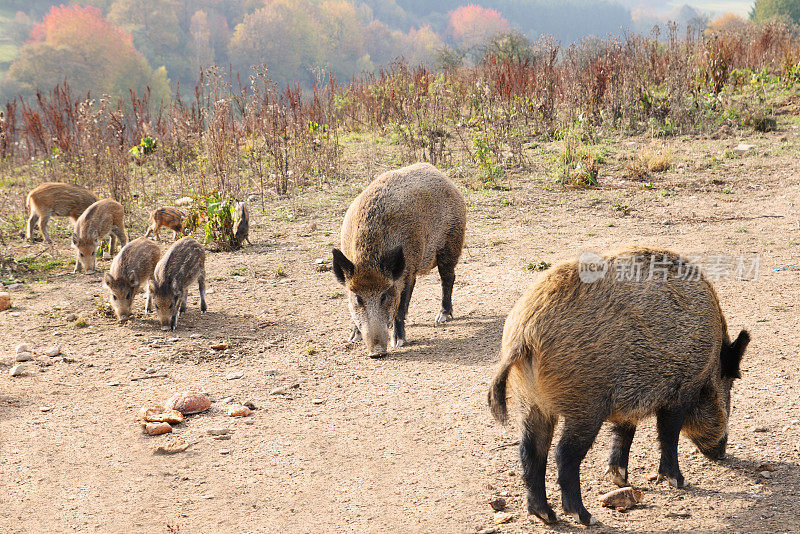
(498, 504)
(195, 336)
(17, 370)
(742, 148)
(317, 401)
(283, 390)
(238, 411)
(71, 317)
(235, 375)
(224, 451)
(217, 431)
(250, 404)
(23, 357)
(760, 429)
(503, 517)
(188, 402)
(156, 429)
(622, 498)
(45, 409)
(5, 301)
(157, 414)
(488, 530)
(14, 314)
(765, 474)
(24, 347)
(171, 446)
(53, 351)
(224, 437)
(112, 384)
(765, 467)
(226, 400)
(150, 370)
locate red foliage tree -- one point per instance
(472, 24)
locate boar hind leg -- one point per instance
(399, 333)
(447, 272)
(575, 442)
(201, 282)
(537, 435)
(148, 304)
(355, 335)
(43, 227)
(669, 423)
(621, 439)
(32, 220)
(184, 298)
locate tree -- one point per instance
(472, 25)
(729, 22)
(60, 50)
(769, 9)
(283, 35)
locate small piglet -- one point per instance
(55, 198)
(182, 265)
(102, 218)
(130, 271)
(168, 217)
(241, 227)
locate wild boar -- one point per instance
(168, 217)
(182, 265)
(102, 218)
(55, 198)
(618, 348)
(241, 226)
(404, 223)
(129, 272)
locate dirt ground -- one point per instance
(404, 443)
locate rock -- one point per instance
(622, 498)
(184, 201)
(503, 517)
(250, 405)
(226, 400)
(24, 347)
(23, 357)
(17, 370)
(224, 451)
(53, 351)
(488, 530)
(218, 431)
(283, 390)
(150, 370)
(157, 414)
(321, 265)
(156, 429)
(681, 515)
(171, 446)
(71, 317)
(5, 301)
(45, 409)
(238, 411)
(220, 346)
(765, 474)
(234, 375)
(317, 401)
(14, 314)
(222, 438)
(195, 336)
(760, 429)
(742, 148)
(498, 504)
(188, 402)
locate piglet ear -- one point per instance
(108, 279)
(74, 239)
(393, 263)
(342, 267)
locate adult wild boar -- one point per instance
(404, 223)
(129, 272)
(55, 198)
(102, 218)
(604, 345)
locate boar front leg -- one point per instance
(399, 333)
(621, 439)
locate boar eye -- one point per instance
(113, 297)
(359, 301)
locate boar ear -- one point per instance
(731, 355)
(108, 279)
(342, 267)
(394, 263)
(74, 239)
(133, 280)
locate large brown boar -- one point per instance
(168, 217)
(182, 265)
(603, 345)
(130, 271)
(102, 218)
(54, 198)
(405, 223)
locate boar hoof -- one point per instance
(619, 475)
(165, 328)
(546, 514)
(443, 317)
(398, 342)
(586, 519)
(378, 354)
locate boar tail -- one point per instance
(730, 355)
(497, 392)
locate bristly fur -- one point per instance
(731, 355)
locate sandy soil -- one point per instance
(404, 443)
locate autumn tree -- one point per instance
(729, 22)
(769, 9)
(472, 25)
(59, 49)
